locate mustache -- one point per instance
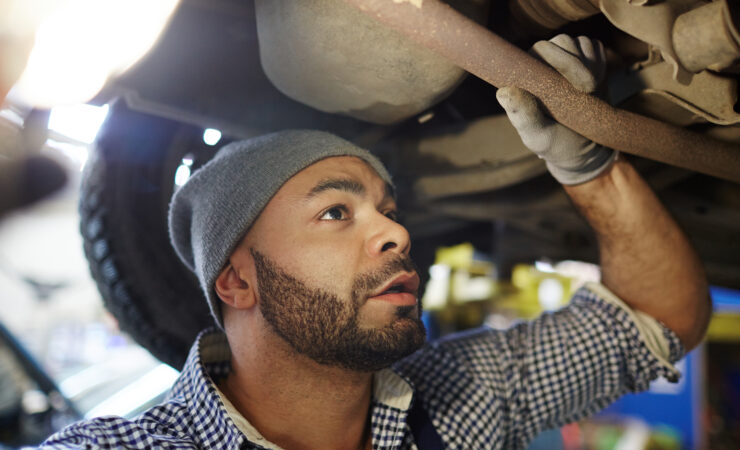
(374, 280)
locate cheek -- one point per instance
(335, 276)
(330, 274)
(331, 264)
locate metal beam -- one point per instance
(481, 52)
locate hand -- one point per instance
(571, 158)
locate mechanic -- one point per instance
(294, 239)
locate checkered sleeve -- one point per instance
(500, 388)
(159, 427)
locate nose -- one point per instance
(387, 235)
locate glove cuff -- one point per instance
(599, 159)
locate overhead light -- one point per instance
(211, 136)
(81, 43)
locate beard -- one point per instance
(320, 325)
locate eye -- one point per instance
(393, 215)
(339, 212)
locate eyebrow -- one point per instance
(338, 184)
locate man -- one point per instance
(294, 239)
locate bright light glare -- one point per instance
(19, 20)
(544, 266)
(75, 152)
(211, 136)
(21, 17)
(182, 174)
(83, 42)
(78, 122)
(550, 293)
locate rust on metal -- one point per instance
(483, 53)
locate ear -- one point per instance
(233, 289)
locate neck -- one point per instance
(297, 403)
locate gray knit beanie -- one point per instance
(212, 212)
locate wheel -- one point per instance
(126, 187)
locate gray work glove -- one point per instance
(570, 157)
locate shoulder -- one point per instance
(594, 321)
(163, 426)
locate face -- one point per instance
(332, 268)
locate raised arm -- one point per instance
(645, 258)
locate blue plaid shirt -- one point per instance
(482, 389)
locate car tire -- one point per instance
(125, 191)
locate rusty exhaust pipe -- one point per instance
(439, 27)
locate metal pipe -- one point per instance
(481, 52)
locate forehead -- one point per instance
(342, 174)
(336, 168)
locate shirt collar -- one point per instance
(196, 388)
(391, 390)
(209, 360)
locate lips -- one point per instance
(401, 290)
